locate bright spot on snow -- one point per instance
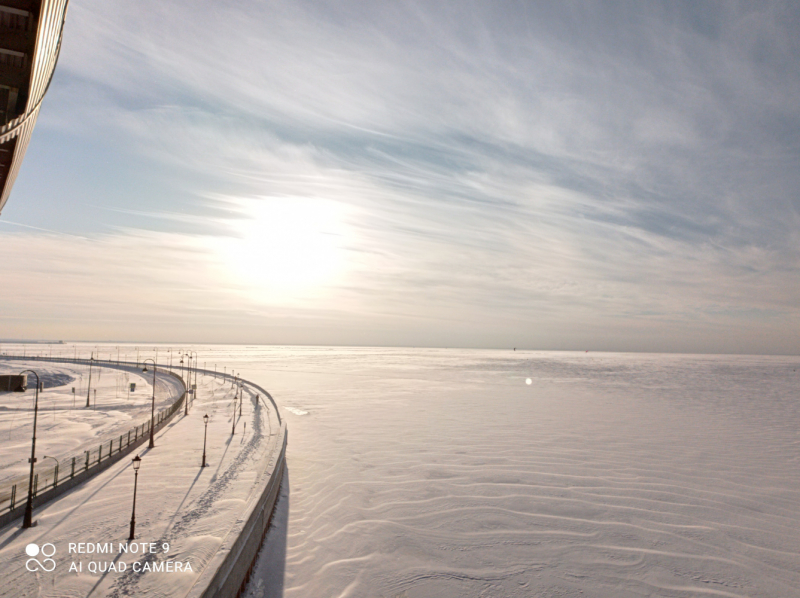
(32, 550)
(285, 244)
(296, 411)
(528, 380)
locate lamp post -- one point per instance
(233, 429)
(196, 364)
(89, 388)
(194, 383)
(241, 390)
(188, 382)
(205, 434)
(191, 392)
(28, 519)
(153, 408)
(137, 462)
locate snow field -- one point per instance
(192, 509)
(65, 426)
(442, 474)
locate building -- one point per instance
(30, 40)
(18, 383)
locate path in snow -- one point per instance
(192, 509)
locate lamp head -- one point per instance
(137, 462)
(205, 418)
(144, 369)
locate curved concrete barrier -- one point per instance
(227, 573)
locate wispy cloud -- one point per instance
(621, 176)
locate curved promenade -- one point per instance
(214, 518)
(230, 570)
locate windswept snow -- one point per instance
(65, 426)
(188, 513)
(441, 473)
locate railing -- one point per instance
(82, 465)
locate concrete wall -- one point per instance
(227, 573)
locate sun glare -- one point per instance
(285, 245)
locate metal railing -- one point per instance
(14, 492)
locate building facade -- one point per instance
(30, 41)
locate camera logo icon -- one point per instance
(47, 551)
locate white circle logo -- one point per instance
(47, 550)
(528, 381)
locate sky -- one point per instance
(545, 175)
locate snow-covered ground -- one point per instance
(441, 473)
(188, 513)
(65, 426)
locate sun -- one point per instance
(284, 246)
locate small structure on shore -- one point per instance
(14, 383)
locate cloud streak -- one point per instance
(555, 176)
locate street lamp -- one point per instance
(28, 519)
(188, 382)
(153, 408)
(233, 430)
(196, 364)
(89, 388)
(193, 383)
(191, 390)
(137, 462)
(205, 434)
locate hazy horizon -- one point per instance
(148, 343)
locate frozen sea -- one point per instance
(424, 473)
(442, 473)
